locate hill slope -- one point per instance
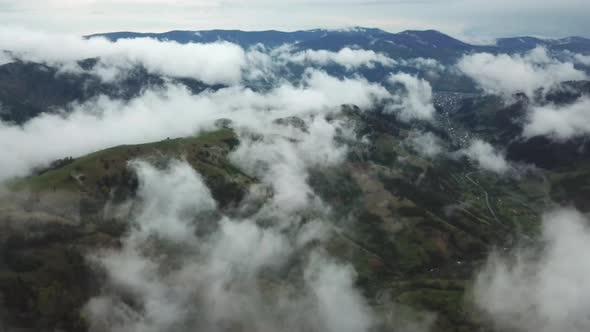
(417, 228)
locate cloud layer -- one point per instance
(559, 122)
(265, 269)
(233, 276)
(171, 112)
(217, 63)
(486, 156)
(546, 291)
(507, 75)
(426, 143)
(416, 102)
(347, 57)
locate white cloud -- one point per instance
(274, 64)
(347, 57)
(542, 290)
(486, 156)
(230, 277)
(583, 59)
(169, 203)
(416, 103)
(226, 278)
(559, 122)
(426, 64)
(328, 280)
(577, 58)
(170, 112)
(261, 65)
(211, 63)
(347, 91)
(506, 75)
(427, 144)
(283, 165)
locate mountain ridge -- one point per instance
(515, 43)
(406, 44)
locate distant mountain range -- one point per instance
(28, 89)
(406, 44)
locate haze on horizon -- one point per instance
(472, 20)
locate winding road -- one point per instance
(486, 194)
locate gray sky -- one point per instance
(471, 19)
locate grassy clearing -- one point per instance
(207, 153)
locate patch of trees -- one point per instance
(56, 164)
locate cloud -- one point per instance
(577, 58)
(283, 165)
(230, 277)
(327, 281)
(416, 103)
(486, 156)
(541, 290)
(215, 63)
(583, 59)
(264, 270)
(430, 67)
(426, 143)
(506, 75)
(347, 57)
(261, 65)
(171, 112)
(212, 63)
(274, 64)
(560, 123)
(169, 203)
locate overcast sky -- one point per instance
(462, 18)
